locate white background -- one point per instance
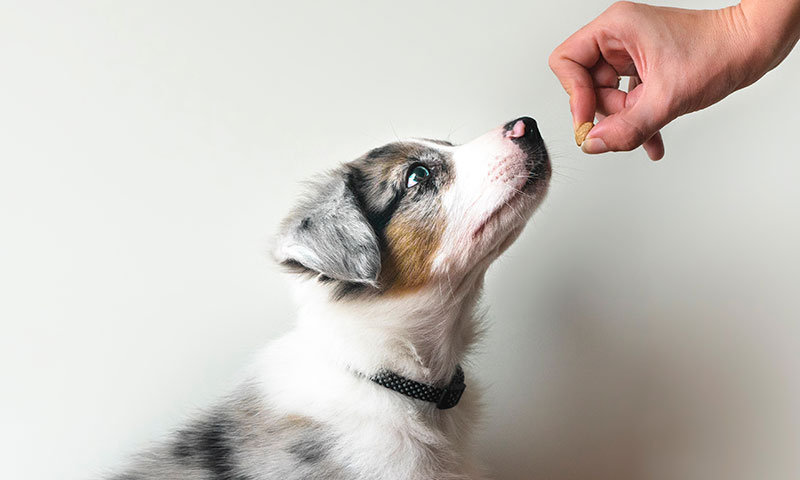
(646, 325)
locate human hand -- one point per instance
(679, 61)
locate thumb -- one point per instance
(643, 114)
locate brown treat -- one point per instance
(582, 131)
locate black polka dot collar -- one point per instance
(444, 398)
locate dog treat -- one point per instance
(582, 131)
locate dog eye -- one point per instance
(417, 175)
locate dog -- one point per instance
(389, 253)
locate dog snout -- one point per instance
(523, 130)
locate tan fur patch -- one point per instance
(412, 244)
(298, 421)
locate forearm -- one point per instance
(773, 26)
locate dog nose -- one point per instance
(523, 129)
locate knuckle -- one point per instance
(557, 54)
(629, 144)
(628, 135)
(621, 9)
(633, 138)
(553, 59)
(622, 6)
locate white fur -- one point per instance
(490, 173)
(318, 371)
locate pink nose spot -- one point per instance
(517, 131)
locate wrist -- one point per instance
(773, 28)
(743, 51)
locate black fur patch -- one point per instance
(209, 445)
(378, 214)
(310, 449)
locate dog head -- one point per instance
(414, 212)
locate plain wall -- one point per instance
(645, 326)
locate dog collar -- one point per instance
(444, 398)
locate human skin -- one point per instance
(678, 60)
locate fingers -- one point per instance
(624, 130)
(578, 84)
(654, 146)
(611, 100)
(571, 62)
(604, 75)
(625, 120)
(633, 120)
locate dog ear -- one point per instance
(329, 234)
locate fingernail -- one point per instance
(594, 145)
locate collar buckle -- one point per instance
(451, 394)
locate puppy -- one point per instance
(390, 251)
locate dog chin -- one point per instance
(504, 225)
